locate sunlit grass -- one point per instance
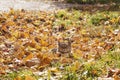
(21, 74)
(93, 69)
(86, 19)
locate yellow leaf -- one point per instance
(75, 66)
(83, 31)
(4, 28)
(45, 59)
(23, 35)
(96, 40)
(37, 47)
(29, 78)
(18, 78)
(54, 70)
(31, 49)
(2, 60)
(10, 23)
(12, 11)
(77, 54)
(28, 57)
(21, 54)
(101, 44)
(44, 43)
(36, 23)
(15, 34)
(42, 67)
(49, 74)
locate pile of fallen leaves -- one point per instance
(29, 40)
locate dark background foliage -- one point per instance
(93, 1)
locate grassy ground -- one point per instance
(95, 47)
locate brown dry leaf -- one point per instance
(45, 60)
(32, 62)
(66, 60)
(116, 75)
(24, 35)
(31, 44)
(108, 46)
(40, 55)
(19, 52)
(2, 71)
(118, 36)
(10, 23)
(42, 67)
(4, 28)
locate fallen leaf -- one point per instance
(28, 57)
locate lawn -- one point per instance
(29, 45)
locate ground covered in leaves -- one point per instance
(29, 45)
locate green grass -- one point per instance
(93, 69)
(20, 73)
